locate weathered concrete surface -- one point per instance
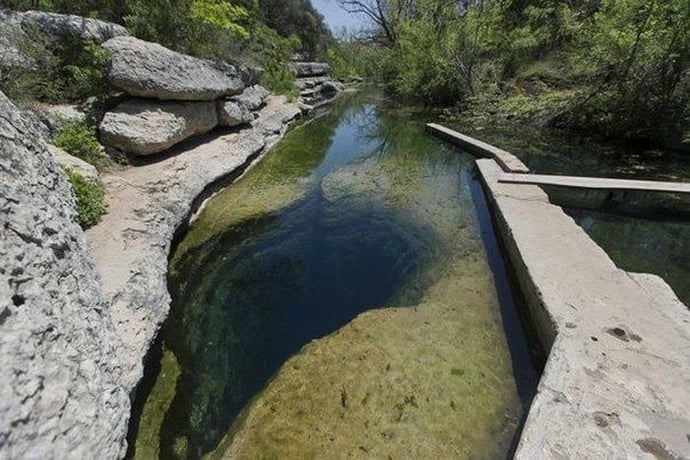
(147, 204)
(507, 160)
(146, 69)
(596, 183)
(60, 395)
(617, 379)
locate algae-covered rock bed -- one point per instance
(337, 301)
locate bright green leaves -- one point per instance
(222, 15)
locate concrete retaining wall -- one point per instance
(617, 378)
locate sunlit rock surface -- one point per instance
(60, 392)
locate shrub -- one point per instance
(59, 70)
(91, 204)
(82, 68)
(79, 140)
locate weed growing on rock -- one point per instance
(91, 204)
(77, 139)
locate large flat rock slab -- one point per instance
(145, 127)
(146, 69)
(617, 379)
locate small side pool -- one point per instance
(345, 298)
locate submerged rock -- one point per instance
(147, 127)
(60, 395)
(147, 69)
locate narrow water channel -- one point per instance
(642, 232)
(338, 301)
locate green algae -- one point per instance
(428, 376)
(436, 377)
(281, 178)
(157, 404)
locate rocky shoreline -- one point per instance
(147, 207)
(80, 310)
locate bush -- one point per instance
(64, 70)
(91, 204)
(80, 141)
(82, 68)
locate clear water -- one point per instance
(339, 301)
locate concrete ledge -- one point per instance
(617, 379)
(596, 183)
(508, 161)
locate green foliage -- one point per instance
(223, 16)
(640, 88)
(81, 68)
(68, 69)
(272, 54)
(542, 30)
(350, 58)
(436, 53)
(623, 65)
(205, 28)
(80, 141)
(297, 18)
(90, 196)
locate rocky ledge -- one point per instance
(60, 387)
(147, 205)
(315, 85)
(173, 97)
(73, 332)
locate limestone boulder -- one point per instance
(146, 127)
(331, 88)
(77, 165)
(57, 25)
(232, 113)
(252, 98)
(13, 39)
(60, 390)
(309, 69)
(150, 70)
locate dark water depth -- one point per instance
(338, 299)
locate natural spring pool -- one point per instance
(345, 298)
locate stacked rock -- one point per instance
(174, 96)
(313, 82)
